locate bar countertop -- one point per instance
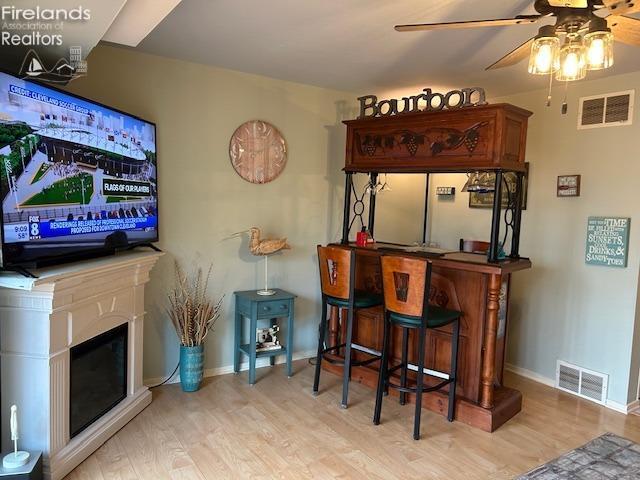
(453, 259)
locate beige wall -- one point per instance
(203, 200)
(562, 308)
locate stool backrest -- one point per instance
(337, 271)
(474, 246)
(406, 283)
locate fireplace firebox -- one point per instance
(98, 377)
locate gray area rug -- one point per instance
(606, 458)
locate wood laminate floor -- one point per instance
(277, 429)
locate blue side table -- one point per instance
(257, 307)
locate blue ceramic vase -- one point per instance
(191, 367)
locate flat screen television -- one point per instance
(77, 179)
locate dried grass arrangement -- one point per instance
(192, 313)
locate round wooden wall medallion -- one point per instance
(258, 151)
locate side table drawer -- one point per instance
(273, 309)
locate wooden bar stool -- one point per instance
(474, 246)
(406, 284)
(337, 279)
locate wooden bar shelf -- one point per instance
(490, 137)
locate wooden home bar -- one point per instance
(485, 138)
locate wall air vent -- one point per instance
(610, 110)
(582, 382)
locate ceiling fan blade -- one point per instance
(569, 3)
(513, 57)
(622, 7)
(500, 22)
(625, 29)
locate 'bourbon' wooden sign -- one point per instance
(428, 101)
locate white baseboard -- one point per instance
(617, 407)
(536, 377)
(550, 382)
(634, 407)
(212, 372)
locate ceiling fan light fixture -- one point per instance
(573, 60)
(545, 52)
(599, 45)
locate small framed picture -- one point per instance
(568, 186)
(485, 200)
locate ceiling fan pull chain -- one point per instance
(565, 107)
(550, 85)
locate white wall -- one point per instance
(563, 308)
(203, 200)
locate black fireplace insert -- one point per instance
(98, 377)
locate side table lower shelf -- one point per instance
(246, 349)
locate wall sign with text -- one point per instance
(568, 186)
(607, 241)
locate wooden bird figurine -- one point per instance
(260, 247)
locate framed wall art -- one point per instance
(485, 200)
(568, 186)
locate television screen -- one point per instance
(75, 176)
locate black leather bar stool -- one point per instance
(337, 279)
(406, 284)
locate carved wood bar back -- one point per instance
(487, 137)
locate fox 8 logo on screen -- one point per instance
(34, 227)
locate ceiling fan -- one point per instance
(588, 28)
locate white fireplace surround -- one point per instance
(40, 320)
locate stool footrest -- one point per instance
(336, 347)
(360, 363)
(427, 371)
(368, 350)
(354, 363)
(393, 369)
(400, 388)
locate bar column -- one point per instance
(489, 342)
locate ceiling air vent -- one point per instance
(611, 110)
(582, 382)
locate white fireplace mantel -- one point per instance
(40, 320)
